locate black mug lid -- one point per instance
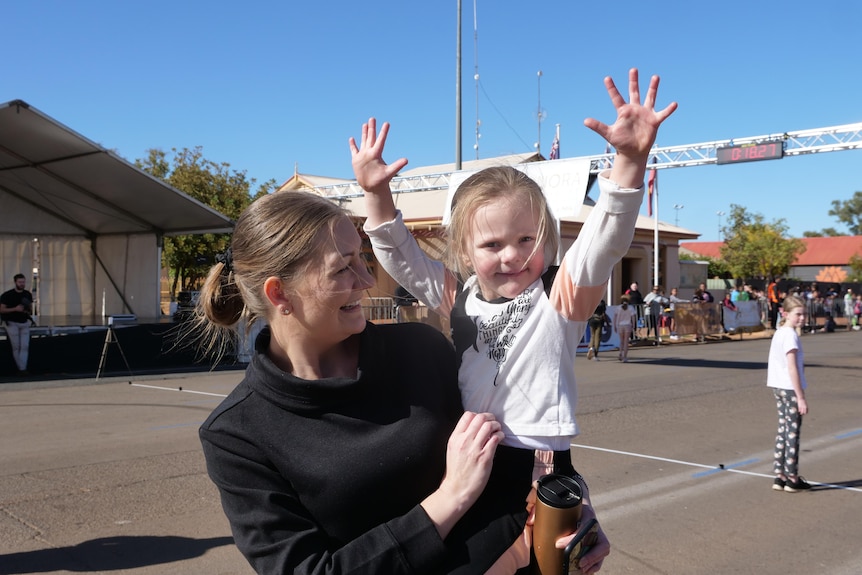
(560, 491)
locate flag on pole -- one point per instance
(555, 147)
(652, 187)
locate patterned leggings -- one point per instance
(789, 427)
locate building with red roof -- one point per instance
(824, 260)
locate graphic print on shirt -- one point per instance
(497, 333)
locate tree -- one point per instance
(754, 248)
(189, 257)
(849, 212)
(855, 266)
(825, 232)
(716, 268)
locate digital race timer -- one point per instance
(750, 152)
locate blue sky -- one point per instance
(267, 85)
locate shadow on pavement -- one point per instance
(687, 362)
(110, 554)
(832, 485)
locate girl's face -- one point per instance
(503, 249)
(328, 306)
(795, 318)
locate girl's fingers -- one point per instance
(634, 87)
(652, 91)
(381, 137)
(616, 98)
(670, 109)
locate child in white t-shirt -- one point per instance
(786, 377)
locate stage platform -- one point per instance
(74, 346)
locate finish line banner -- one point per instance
(564, 183)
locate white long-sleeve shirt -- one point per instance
(517, 357)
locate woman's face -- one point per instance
(328, 298)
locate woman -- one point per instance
(331, 455)
(624, 318)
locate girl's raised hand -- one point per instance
(634, 132)
(372, 173)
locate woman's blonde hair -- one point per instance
(488, 186)
(276, 236)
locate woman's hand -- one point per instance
(469, 457)
(592, 561)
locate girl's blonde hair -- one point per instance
(276, 236)
(488, 186)
(789, 303)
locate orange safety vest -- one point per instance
(772, 292)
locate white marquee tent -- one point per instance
(98, 219)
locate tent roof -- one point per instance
(55, 181)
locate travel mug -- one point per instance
(558, 511)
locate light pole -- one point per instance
(719, 214)
(539, 114)
(677, 207)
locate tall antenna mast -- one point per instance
(540, 115)
(476, 75)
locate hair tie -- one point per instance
(226, 259)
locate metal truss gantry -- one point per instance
(816, 141)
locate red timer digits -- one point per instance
(749, 152)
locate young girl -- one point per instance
(516, 323)
(786, 377)
(624, 320)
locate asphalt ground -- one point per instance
(108, 476)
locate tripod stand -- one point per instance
(111, 337)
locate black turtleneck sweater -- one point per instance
(326, 476)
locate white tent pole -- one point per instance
(655, 231)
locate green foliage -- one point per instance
(189, 257)
(755, 248)
(849, 212)
(825, 232)
(855, 265)
(716, 268)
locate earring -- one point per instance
(285, 311)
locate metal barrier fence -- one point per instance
(682, 319)
(383, 310)
(379, 309)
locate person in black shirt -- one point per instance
(16, 305)
(705, 294)
(597, 323)
(636, 300)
